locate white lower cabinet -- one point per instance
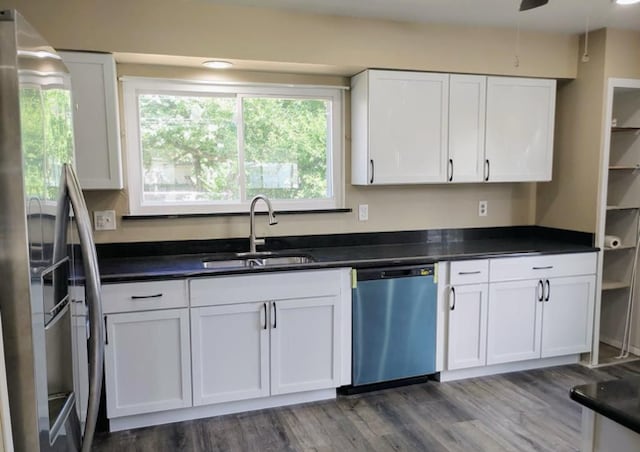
(513, 326)
(147, 362)
(205, 346)
(532, 307)
(567, 316)
(541, 318)
(305, 345)
(467, 326)
(251, 350)
(230, 351)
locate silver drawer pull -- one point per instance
(477, 272)
(142, 297)
(548, 267)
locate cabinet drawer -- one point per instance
(264, 287)
(469, 272)
(532, 267)
(144, 296)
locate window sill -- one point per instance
(231, 214)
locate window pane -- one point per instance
(286, 147)
(189, 148)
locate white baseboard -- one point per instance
(452, 375)
(186, 414)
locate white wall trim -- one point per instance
(185, 414)
(452, 375)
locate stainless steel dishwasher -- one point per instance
(394, 324)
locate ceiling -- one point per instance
(568, 16)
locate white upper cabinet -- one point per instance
(519, 129)
(420, 128)
(95, 119)
(467, 99)
(399, 127)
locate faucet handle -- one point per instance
(259, 242)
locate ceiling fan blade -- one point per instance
(530, 4)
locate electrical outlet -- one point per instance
(104, 220)
(482, 208)
(363, 212)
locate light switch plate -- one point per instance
(363, 212)
(104, 220)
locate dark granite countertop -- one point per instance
(619, 400)
(162, 260)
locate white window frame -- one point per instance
(132, 87)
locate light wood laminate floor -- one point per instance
(521, 411)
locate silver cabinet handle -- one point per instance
(477, 272)
(548, 267)
(372, 171)
(452, 303)
(450, 170)
(264, 306)
(142, 297)
(540, 290)
(548, 284)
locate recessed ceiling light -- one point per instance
(217, 64)
(626, 2)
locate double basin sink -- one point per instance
(258, 259)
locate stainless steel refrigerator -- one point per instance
(45, 246)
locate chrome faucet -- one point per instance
(253, 241)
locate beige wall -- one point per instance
(390, 207)
(569, 201)
(200, 28)
(623, 54)
(337, 45)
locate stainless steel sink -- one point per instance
(286, 260)
(232, 263)
(265, 259)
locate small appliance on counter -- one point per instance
(394, 327)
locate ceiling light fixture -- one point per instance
(627, 2)
(217, 64)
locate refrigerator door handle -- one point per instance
(94, 302)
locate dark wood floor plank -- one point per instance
(521, 411)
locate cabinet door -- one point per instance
(305, 338)
(513, 324)
(230, 350)
(567, 316)
(519, 133)
(147, 362)
(407, 127)
(467, 346)
(467, 99)
(96, 130)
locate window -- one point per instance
(202, 148)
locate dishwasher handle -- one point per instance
(395, 272)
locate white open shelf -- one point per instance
(620, 217)
(624, 224)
